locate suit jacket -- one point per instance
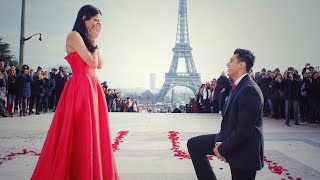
(241, 127)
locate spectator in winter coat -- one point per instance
(37, 93)
(292, 94)
(61, 79)
(49, 86)
(223, 88)
(11, 91)
(24, 89)
(52, 96)
(315, 98)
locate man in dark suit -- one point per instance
(240, 140)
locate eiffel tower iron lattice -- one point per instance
(182, 50)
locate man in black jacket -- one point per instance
(223, 86)
(240, 140)
(61, 79)
(292, 94)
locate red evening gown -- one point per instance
(78, 144)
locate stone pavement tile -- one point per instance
(25, 162)
(20, 168)
(142, 176)
(129, 125)
(185, 166)
(143, 153)
(17, 145)
(140, 164)
(175, 165)
(15, 175)
(150, 145)
(265, 174)
(184, 124)
(296, 168)
(157, 176)
(146, 136)
(187, 176)
(274, 125)
(311, 138)
(184, 176)
(297, 150)
(26, 123)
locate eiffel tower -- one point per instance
(182, 51)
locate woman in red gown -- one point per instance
(78, 144)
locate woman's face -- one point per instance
(93, 21)
(278, 77)
(12, 71)
(25, 69)
(39, 73)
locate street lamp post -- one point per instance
(22, 32)
(22, 38)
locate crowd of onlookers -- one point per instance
(287, 95)
(116, 103)
(26, 91)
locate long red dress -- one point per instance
(78, 144)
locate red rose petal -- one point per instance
(115, 146)
(121, 134)
(275, 168)
(173, 136)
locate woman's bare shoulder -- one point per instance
(73, 36)
(73, 39)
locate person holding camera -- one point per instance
(292, 87)
(37, 92)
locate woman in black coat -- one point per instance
(23, 88)
(315, 98)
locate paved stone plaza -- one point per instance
(145, 153)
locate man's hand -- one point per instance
(61, 74)
(216, 152)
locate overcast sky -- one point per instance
(138, 35)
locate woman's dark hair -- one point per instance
(88, 11)
(278, 74)
(24, 66)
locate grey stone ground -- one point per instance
(145, 153)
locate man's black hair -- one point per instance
(245, 56)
